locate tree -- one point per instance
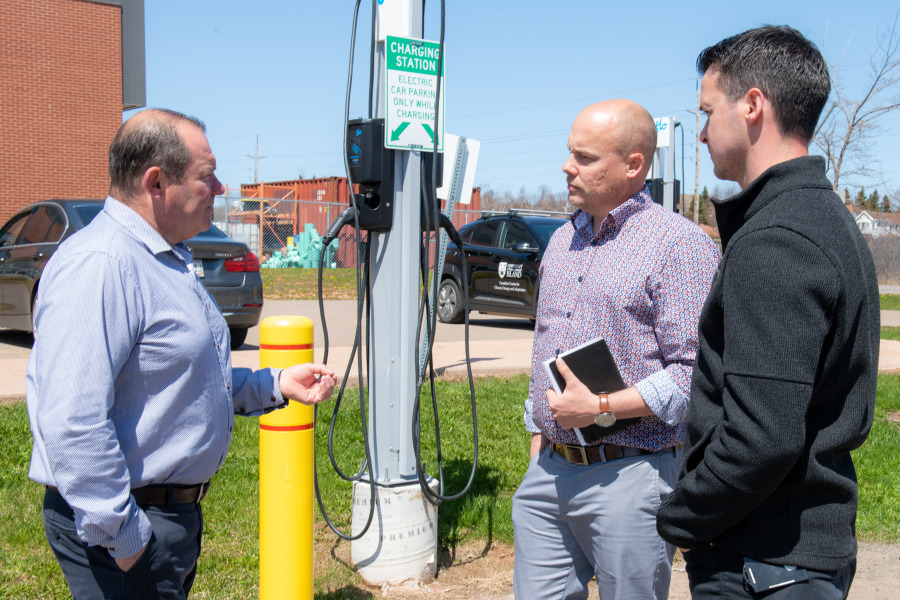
(874, 201)
(849, 122)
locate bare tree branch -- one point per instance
(849, 123)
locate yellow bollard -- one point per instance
(286, 471)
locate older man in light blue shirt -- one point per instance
(131, 392)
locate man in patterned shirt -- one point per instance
(627, 270)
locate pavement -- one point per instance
(497, 345)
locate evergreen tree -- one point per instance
(860, 199)
(704, 206)
(874, 201)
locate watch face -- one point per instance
(605, 419)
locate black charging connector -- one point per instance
(431, 204)
(372, 168)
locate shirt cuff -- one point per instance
(280, 400)
(664, 397)
(133, 536)
(529, 421)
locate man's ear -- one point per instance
(635, 164)
(154, 182)
(754, 100)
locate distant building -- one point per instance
(69, 69)
(876, 223)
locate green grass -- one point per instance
(890, 333)
(302, 284)
(890, 301)
(878, 467)
(229, 564)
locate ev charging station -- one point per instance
(662, 173)
(394, 158)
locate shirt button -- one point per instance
(581, 278)
(568, 315)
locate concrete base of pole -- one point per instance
(401, 543)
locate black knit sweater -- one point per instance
(784, 384)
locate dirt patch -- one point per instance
(476, 574)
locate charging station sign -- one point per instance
(412, 87)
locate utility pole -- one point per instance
(255, 158)
(697, 167)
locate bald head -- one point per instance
(150, 138)
(611, 148)
(628, 125)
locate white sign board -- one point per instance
(412, 82)
(452, 170)
(665, 132)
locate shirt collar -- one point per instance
(618, 216)
(141, 230)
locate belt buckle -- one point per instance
(581, 452)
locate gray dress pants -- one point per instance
(572, 522)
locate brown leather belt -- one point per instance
(156, 495)
(587, 455)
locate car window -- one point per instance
(483, 234)
(545, 229)
(515, 233)
(87, 212)
(46, 227)
(11, 231)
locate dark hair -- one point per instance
(783, 64)
(150, 140)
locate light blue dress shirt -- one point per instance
(130, 381)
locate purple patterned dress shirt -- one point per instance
(640, 284)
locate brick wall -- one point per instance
(60, 99)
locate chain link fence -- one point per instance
(284, 231)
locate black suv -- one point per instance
(503, 253)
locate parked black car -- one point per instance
(503, 253)
(27, 241)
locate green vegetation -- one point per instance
(229, 564)
(302, 284)
(890, 333)
(890, 301)
(878, 467)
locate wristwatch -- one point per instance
(604, 418)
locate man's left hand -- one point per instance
(577, 406)
(300, 383)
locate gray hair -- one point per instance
(149, 139)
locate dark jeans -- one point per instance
(714, 573)
(166, 570)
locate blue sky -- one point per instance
(517, 73)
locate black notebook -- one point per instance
(593, 364)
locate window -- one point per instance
(484, 233)
(13, 229)
(46, 227)
(515, 233)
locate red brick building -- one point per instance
(63, 88)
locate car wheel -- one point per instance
(238, 335)
(450, 303)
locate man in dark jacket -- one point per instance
(784, 384)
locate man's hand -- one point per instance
(300, 383)
(577, 406)
(126, 563)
